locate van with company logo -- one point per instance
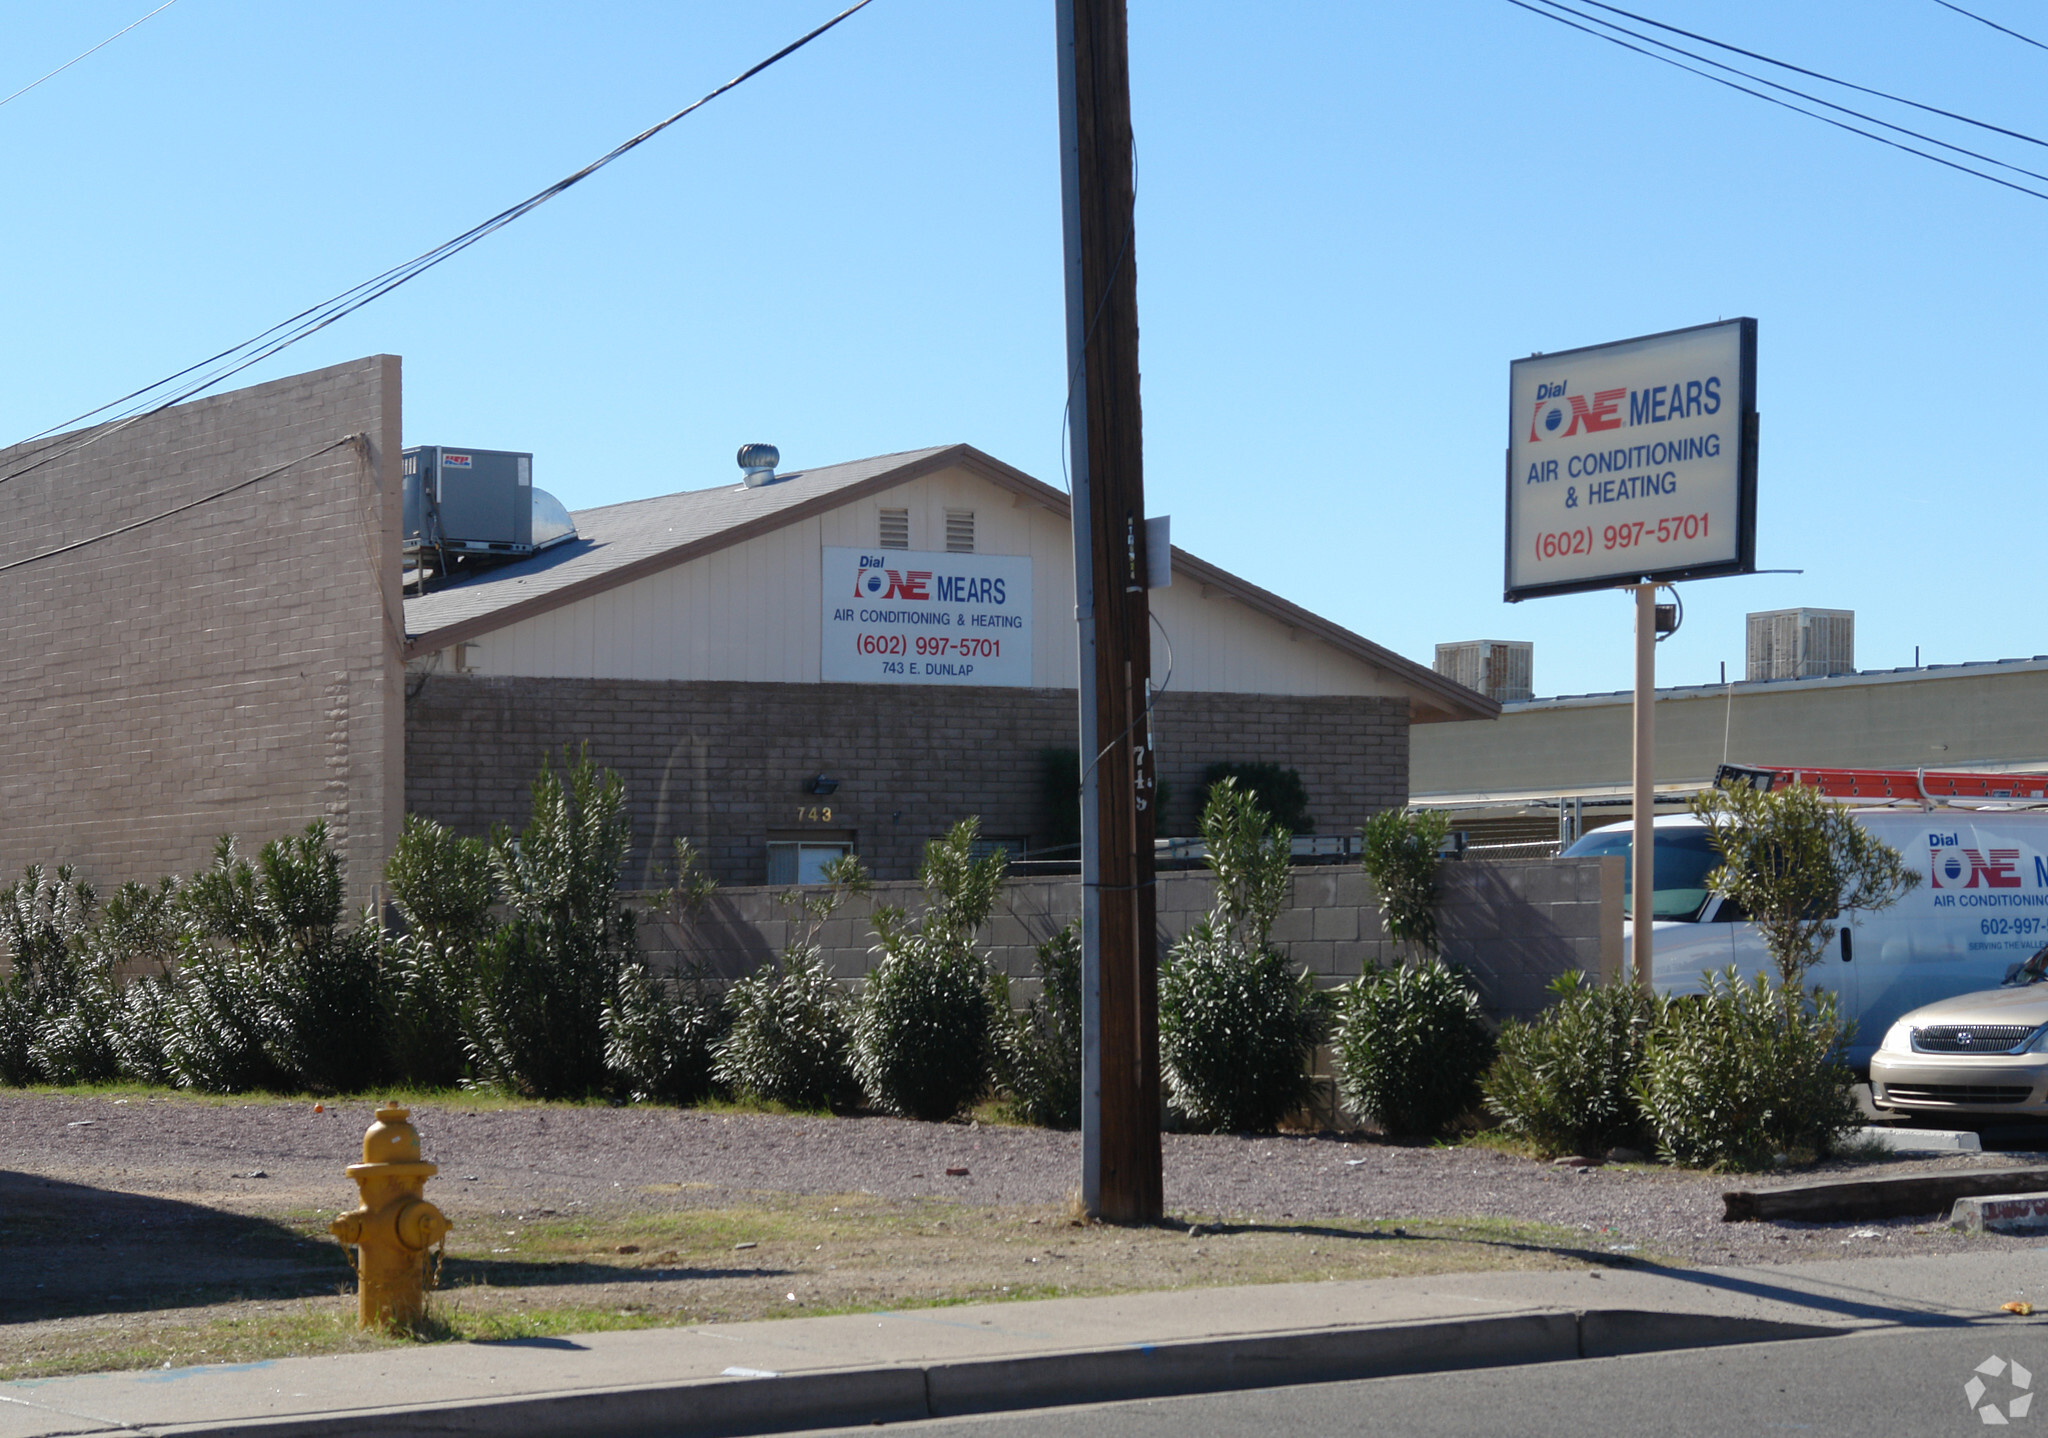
(1979, 910)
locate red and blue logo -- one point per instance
(898, 584)
(1560, 416)
(1961, 868)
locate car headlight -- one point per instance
(2038, 1044)
(1898, 1039)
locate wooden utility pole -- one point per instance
(1120, 1169)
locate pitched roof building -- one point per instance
(690, 641)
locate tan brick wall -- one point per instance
(232, 669)
(724, 763)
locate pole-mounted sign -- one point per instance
(1633, 461)
(1632, 465)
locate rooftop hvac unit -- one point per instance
(1801, 643)
(480, 502)
(1501, 669)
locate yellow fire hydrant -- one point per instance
(394, 1226)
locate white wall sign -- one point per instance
(900, 616)
(1634, 460)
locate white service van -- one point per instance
(1980, 909)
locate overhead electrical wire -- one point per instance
(1992, 23)
(236, 488)
(1789, 90)
(1815, 74)
(198, 378)
(1770, 99)
(83, 53)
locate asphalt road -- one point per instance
(1877, 1384)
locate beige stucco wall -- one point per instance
(1984, 716)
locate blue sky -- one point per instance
(1351, 217)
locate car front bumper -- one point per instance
(1960, 1083)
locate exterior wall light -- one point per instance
(820, 785)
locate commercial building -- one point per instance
(718, 648)
(205, 633)
(1549, 767)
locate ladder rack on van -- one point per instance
(1919, 786)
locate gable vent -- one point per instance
(960, 531)
(895, 529)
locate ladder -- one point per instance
(1919, 786)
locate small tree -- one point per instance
(924, 1034)
(1402, 853)
(1794, 860)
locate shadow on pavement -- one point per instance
(71, 1249)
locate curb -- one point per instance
(731, 1408)
(2001, 1213)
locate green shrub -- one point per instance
(1410, 1048)
(536, 1026)
(1749, 1071)
(139, 930)
(788, 1036)
(923, 1031)
(1567, 1080)
(660, 1031)
(55, 1003)
(272, 994)
(660, 1034)
(1401, 856)
(1278, 792)
(441, 886)
(1040, 1057)
(1237, 1023)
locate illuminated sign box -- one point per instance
(1633, 461)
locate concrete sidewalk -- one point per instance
(794, 1373)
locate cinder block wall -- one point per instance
(725, 763)
(1513, 926)
(235, 668)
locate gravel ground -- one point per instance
(642, 1159)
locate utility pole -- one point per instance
(1120, 1167)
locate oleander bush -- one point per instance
(56, 986)
(1238, 1023)
(272, 993)
(924, 1030)
(789, 1035)
(535, 1025)
(1746, 1073)
(1410, 1048)
(661, 1033)
(1566, 1081)
(1401, 855)
(1039, 1059)
(442, 887)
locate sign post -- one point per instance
(1633, 465)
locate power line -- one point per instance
(1816, 74)
(1992, 23)
(200, 377)
(1772, 99)
(1802, 94)
(83, 53)
(235, 488)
